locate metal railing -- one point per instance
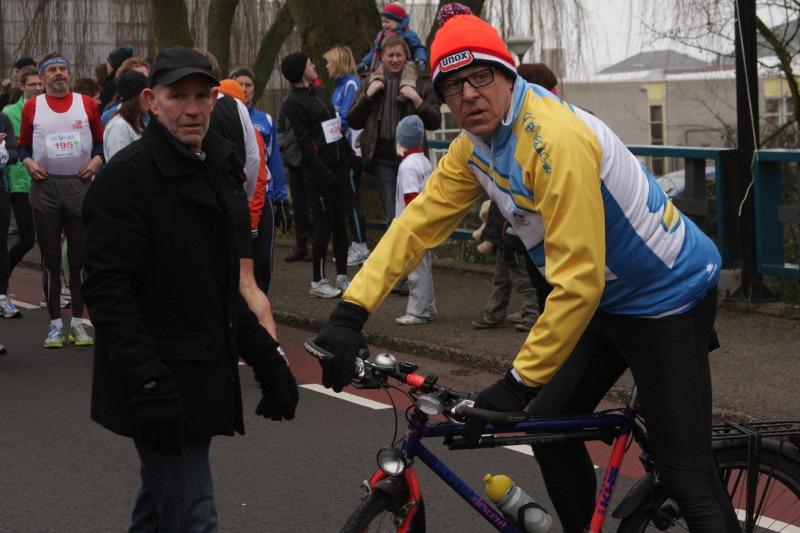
(771, 214)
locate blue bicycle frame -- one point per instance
(616, 424)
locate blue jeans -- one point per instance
(177, 493)
(385, 174)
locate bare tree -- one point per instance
(171, 23)
(220, 20)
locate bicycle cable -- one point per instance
(394, 408)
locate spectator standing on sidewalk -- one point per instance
(341, 68)
(165, 223)
(301, 216)
(634, 280)
(61, 146)
(509, 273)
(412, 175)
(325, 163)
(378, 108)
(29, 83)
(10, 92)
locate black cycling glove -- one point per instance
(342, 337)
(160, 416)
(279, 395)
(507, 394)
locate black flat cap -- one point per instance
(172, 64)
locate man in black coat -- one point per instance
(166, 222)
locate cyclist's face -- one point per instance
(479, 111)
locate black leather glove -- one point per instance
(282, 215)
(160, 416)
(279, 395)
(342, 337)
(506, 394)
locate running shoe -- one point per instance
(7, 308)
(357, 253)
(323, 289)
(411, 320)
(79, 335)
(54, 338)
(342, 282)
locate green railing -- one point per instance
(771, 214)
(716, 216)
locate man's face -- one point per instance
(56, 78)
(184, 108)
(394, 57)
(32, 86)
(248, 87)
(479, 111)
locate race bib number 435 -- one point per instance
(60, 145)
(332, 129)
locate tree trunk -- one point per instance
(271, 43)
(475, 5)
(171, 22)
(323, 25)
(220, 20)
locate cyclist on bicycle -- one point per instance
(633, 280)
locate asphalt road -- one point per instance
(60, 472)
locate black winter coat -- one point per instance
(163, 230)
(306, 109)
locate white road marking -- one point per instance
(769, 524)
(524, 449)
(352, 398)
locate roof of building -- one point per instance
(666, 60)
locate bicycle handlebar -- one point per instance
(364, 370)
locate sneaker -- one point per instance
(323, 289)
(296, 254)
(54, 338)
(412, 320)
(342, 282)
(79, 335)
(485, 324)
(357, 253)
(7, 308)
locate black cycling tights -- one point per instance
(669, 361)
(329, 206)
(49, 227)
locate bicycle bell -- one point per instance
(382, 361)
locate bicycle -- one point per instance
(759, 462)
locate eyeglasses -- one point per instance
(478, 79)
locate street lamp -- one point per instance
(519, 44)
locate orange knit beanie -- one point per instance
(464, 39)
(232, 88)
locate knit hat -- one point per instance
(410, 132)
(117, 56)
(129, 84)
(293, 66)
(232, 88)
(23, 62)
(395, 12)
(463, 40)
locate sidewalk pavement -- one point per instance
(755, 373)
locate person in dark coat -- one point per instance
(166, 222)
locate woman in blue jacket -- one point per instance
(341, 68)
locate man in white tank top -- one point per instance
(61, 140)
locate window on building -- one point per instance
(657, 137)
